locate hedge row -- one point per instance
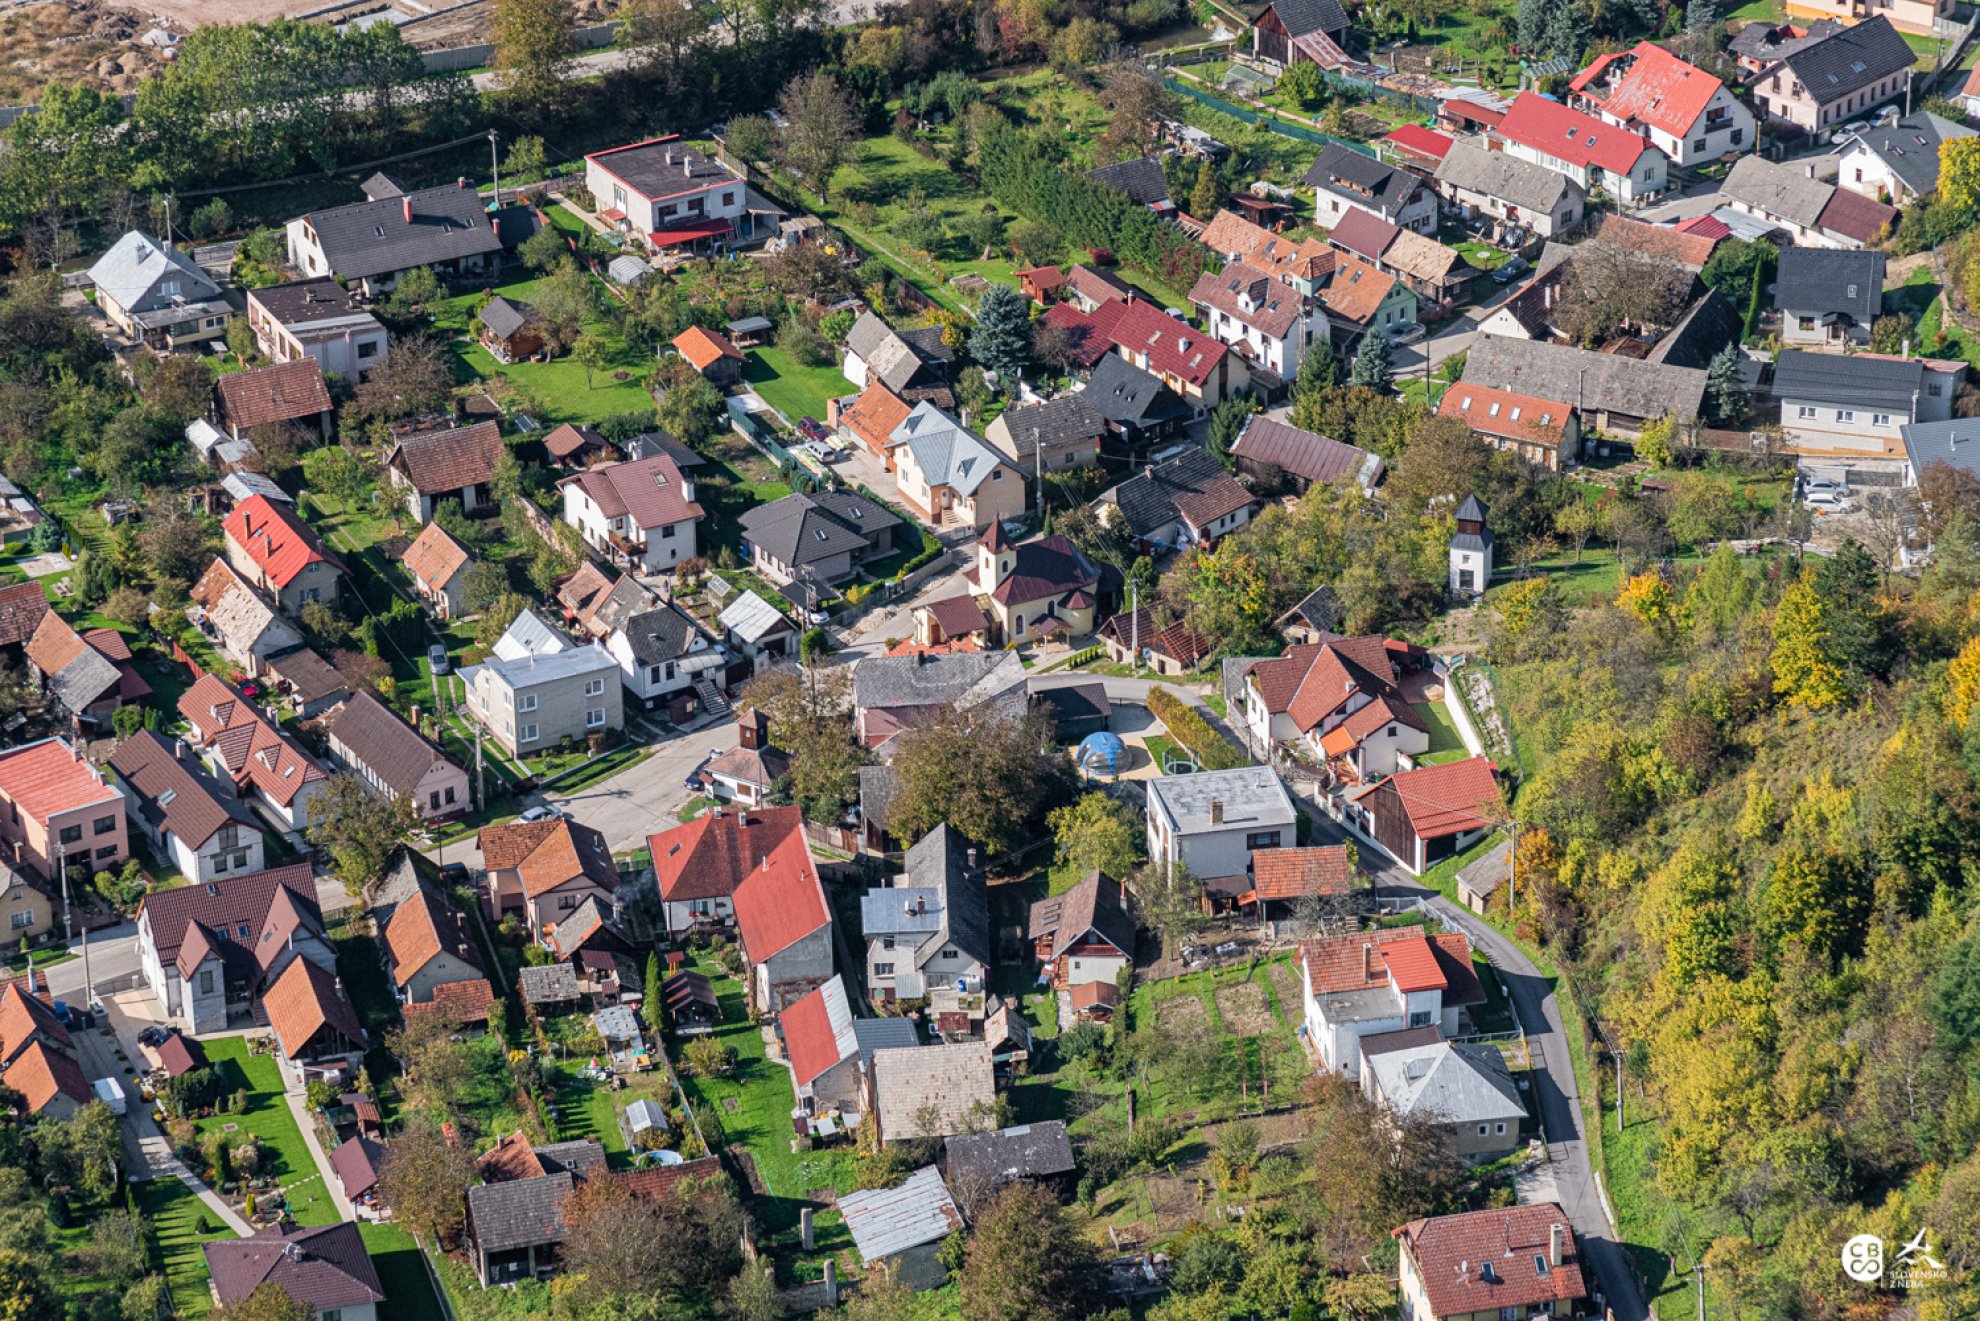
(1213, 752)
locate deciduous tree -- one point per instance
(1026, 1261)
(820, 127)
(422, 1177)
(359, 828)
(990, 774)
(1096, 832)
(532, 52)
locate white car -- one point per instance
(1408, 334)
(1827, 502)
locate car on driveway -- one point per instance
(694, 778)
(436, 656)
(811, 428)
(1509, 272)
(1409, 334)
(543, 812)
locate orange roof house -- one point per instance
(1515, 1260)
(438, 564)
(710, 353)
(873, 417)
(46, 787)
(534, 867)
(1425, 815)
(273, 549)
(313, 1022)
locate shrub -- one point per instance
(1187, 726)
(709, 1058)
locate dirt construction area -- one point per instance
(86, 42)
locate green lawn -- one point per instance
(1160, 748)
(267, 1117)
(1445, 743)
(488, 1103)
(371, 995)
(404, 1278)
(558, 385)
(176, 1215)
(792, 390)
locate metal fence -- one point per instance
(1260, 119)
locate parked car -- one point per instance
(454, 873)
(1823, 502)
(1410, 333)
(543, 812)
(436, 656)
(1509, 272)
(811, 428)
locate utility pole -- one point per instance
(496, 167)
(1619, 1109)
(480, 774)
(1134, 627)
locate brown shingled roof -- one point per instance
(303, 1001)
(439, 462)
(283, 392)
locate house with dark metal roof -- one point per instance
(1141, 179)
(1898, 161)
(822, 538)
(1049, 436)
(1084, 935)
(1347, 180)
(1828, 298)
(1854, 407)
(672, 196)
(976, 1164)
(515, 1229)
(664, 654)
(1312, 30)
(372, 243)
(1302, 457)
(932, 927)
(324, 1268)
(185, 813)
(1814, 83)
(318, 319)
(1187, 501)
(1138, 407)
(1955, 442)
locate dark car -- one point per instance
(454, 873)
(1509, 272)
(812, 429)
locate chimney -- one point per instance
(405, 205)
(1148, 470)
(461, 179)
(1554, 1236)
(415, 715)
(1464, 1270)
(971, 858)
(495, 225)
(766, 862)
(687, 168)
(920, 904)
(1367, 958)
(463, 949)
(179, 748)
(1216, 811)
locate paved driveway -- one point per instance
(645, 798)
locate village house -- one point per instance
(1187, 501)
(515, 1228)
(428, 945)
(931, 927)
(1428, 268)
(1050, 436)
(900, 1230)
(1302, 266)
(784, 923)
(241, 623)
(1423, 815)
(538, 689)
(819, 538)
(1084, 935)
(1595, 154)
(1139, 408)
(324, 1268)
(1291, 30)
(913, 364)
(1211, 823)
(187, 816)
(1689, 115)
(1267, 322)
(1360, 299)
(22, 608)
(1854, 407)
(438, 565)
(27, 905)
(639, 514)
(1089, 286)
(745, 773)
(369, 739)
(84, 676)
(446, 463)
(369, 245)
(668, 195)
(510, 329)
(250, 749)
(573, 446)
(59, 812)
(38, 1057)
(1616, 395)
(956, 623)
(1815, 82)
(932, 1091)
(1266, 449)
(1197, 368)
(698, 865)
(1542, 431)
(275, 551)
(316, 319)
(1812, 213)
(1415, 146)
(1517, 1260)
(1283, 879)
(1359, 983)
(666, 658)
(314, 1026)
(1345, 180)
(282, 392)
(869, 419)
(1317, 618)
(208, 951)
(1461, 1087)
(710, 353)
(1037, 589)
(896, 693)
(822, 1053)
(1828, 298)
(978, 1164)
(156, 295)
(949, 478)
(1137, 637)
(1898, 162)
(543, 870)
(756, 631)
(1141, 180)
(1501, 186)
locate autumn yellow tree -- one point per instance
(1963, 683)
(1650, 598)
(1806, 670)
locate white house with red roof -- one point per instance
(669, 195)
(1689, 115)
(274, 550)
(785, 924)
(1360, 983)
(1592, 152)
(1542, 431)
(1421, 816)
(247, 747)
(1189, 362)
(699, 864)
(641, 513)
(1340, 703)
(1518, 1261)
(822, 1050)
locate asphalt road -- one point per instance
(646, 798)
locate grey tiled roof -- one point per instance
(1851, 60)
(1601, 381)
(1956, 442)
(1496, 174)
(1909, 147)
(659, 636)
(940, 861)
(373, 238)
(550, 984)
(881, 681)
(1141, 179)
(798, 529)
(1363, 180)
(1123, 393)
(520, 1213)
(1819, 280)
(1304, 16)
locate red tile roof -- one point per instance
(1859, 217)
(1449, 799)
(422, 928)
(1172, 347)
(284, 392)
(1359, 960)
(467, 1001)
(274, 540)
(1706, 226)
(707, 858)
(1292, 873)
(46, 778)
(1659, 89)
(1357, 289)
(874, 415)
(813, 1041)
(704, 348)
(23, 1019)
(1423, 141)
(1568, 135)
(570, 852)
(1085, 343)
(650, 491)
(780, 900)
(1452, 1252)
(435, 557)
(1503, 413)
(512, 1157)
(40, 1074)
(303, 1001)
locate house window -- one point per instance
(241, 929)
(72, 834)
(206, 982)
(886, 942)
(653, 674)
(1482, 1128)
(368, 349)
(1421, 1018)
(1262, 839)
(1739, 135)
(527, 734)
(1845, 415)
(433, 801)
(23, 919)
(729, 198)
(1933, 389)
(220, 869)
(594, 687)
(1806, 413)
(103, 825)
(951, 954)
(667, 531)
(883, 970)
(1499, 1130)
(1880, 419)
(450, 794)
(567, 901)
(1808, 323)
(107, 851)
(528, 702)
(594, 718)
